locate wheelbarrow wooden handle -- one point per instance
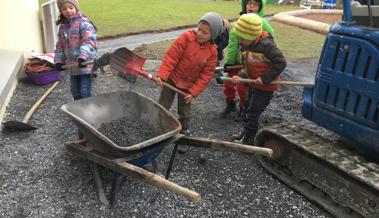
(120, 165)
(224, 145)
(38, 103)
(68, 66)
(288, 83)
(155, 180)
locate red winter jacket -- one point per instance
(189, 64)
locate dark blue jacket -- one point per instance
(222, 42)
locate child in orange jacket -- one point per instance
(189, 65)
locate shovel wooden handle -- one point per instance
(173, 88)
(228, 68)
(68, 66)
(224, 145)
(120, 165)
(38, 103)
(288, 83)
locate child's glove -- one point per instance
(59, 67)
(81, 61)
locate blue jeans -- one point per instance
(81, 86)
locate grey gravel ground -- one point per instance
(39, 178)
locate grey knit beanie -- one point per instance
(215, 22)
(75, 3)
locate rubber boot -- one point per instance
(238, 137)
(248, 139)
(230, 107)
(183, 148)
(240, 115)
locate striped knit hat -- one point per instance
(75, 3)
(248, 26)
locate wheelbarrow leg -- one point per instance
(155, 166)
(116, 185)
(171, 160)
(99, 185)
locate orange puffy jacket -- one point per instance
(189, 64)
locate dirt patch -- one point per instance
(324, 18)
(155, 51)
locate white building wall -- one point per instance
(20, 26)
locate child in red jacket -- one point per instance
(189, 65)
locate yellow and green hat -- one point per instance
(248, 26)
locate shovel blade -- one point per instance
(17, 125)
(125, 61)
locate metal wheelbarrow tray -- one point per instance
(90, 113)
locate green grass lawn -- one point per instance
(113, 17)
(294, 42)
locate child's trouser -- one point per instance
(184, 109)
(256, 105)
(231, 89)
(81, 86)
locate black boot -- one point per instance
(230, 107)
(248, 139)
(240, 115)
(238, 137)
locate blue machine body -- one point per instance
(345, 98)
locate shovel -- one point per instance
(125, 61)
(97, 63)
(288, 83)
(228, 68)
(23, 125)
(238, 67)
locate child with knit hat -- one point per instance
(263, 62)
(76, 44)
(234, 58)
(189, 65)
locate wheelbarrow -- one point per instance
(90, 113)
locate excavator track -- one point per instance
(325, 172)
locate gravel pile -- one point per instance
(127, 131)
(39, 178)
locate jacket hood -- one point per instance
(261, 12)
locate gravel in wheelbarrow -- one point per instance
(127, 131)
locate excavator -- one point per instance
(341, 175)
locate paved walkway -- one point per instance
(135, 41)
